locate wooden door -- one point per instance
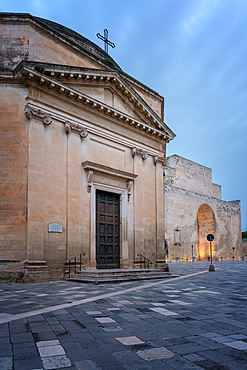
(107, 229)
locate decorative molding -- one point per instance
(140, 152)
(75, 127)
(30, 112)
(89, 177)
(129, 185)
(67, 127)
(144, 154)
(160, 159)
(92, 168)
(156, 127)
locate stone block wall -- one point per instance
(13, 173)
(195, 213)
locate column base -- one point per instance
(35, 271)
(162, 265)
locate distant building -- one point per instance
(194, 209)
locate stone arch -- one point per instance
(206, 224)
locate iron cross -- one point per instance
(106, 41)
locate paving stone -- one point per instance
(86, 365)
(104, 358)
(28, 364)
(193, 357)
(183, 349)
(94, 312)
(178, 363)
(104, 320)
(6, 350)
(6, 363)
(55, 362)
(47, 343)
(155, 354)
(130, 341)
(137, 366)
(163, 311)
(22, 337)
(25, 352)
(51, 351)
(113, 329)
(238, 344)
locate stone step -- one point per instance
(118, 275)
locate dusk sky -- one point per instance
(192, 52)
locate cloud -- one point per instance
(201, 12)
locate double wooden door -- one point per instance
(107, 229)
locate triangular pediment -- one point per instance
(109, 95)
(105, 91)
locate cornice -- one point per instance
(32, 76)
(108, 170)
(92, 168)
(77, 126)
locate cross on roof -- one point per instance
(106, 41)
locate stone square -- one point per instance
(130, 341)
(155, 354)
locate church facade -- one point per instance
(83, 147)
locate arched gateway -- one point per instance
(205, 225)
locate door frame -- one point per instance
(98, 200)
(123, 242)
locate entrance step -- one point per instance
(119, 275)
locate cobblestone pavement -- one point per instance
(196, 321)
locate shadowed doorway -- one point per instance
(107, 230)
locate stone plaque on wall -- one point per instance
(55, 228)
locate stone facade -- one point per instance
(72, 125)
(194, 209)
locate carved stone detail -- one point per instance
(140, 152)
(160, 159)
(129, 185)
(82, 131)
(67, 126)
(30, 112)
(89, 177)
(133, 151)
(47, 120)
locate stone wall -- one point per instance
(13, 172)
(193, 206)
(244, 249)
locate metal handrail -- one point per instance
(74, 258)
(144, 261)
